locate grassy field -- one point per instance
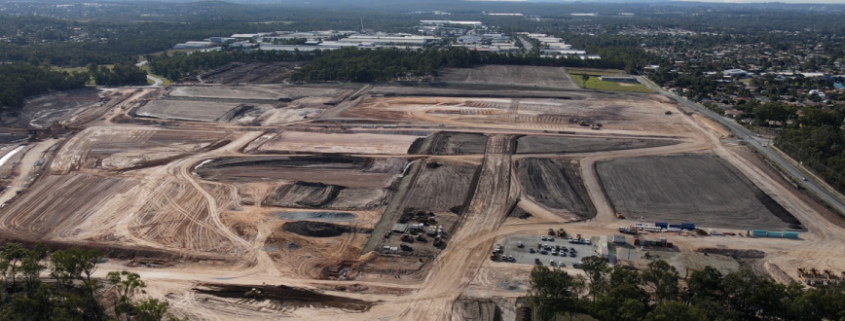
(595, 83)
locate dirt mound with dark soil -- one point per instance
(737, 254)
(443, 187)
(450, 143)
(318, 195)
(285, 297)
(566, 144)
(319, 229)
(554, 183)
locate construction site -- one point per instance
(236, 197)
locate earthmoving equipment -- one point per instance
(406, 247)
(407, 238)
(561, 232)
(596, 126)
(254, 294)
(620, 216)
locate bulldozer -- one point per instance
(254, 294)
(620, 216)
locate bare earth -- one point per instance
(289, 199)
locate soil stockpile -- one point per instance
(353, 172)
(450, 143)
(284, 297)
(316, 216)
(317, 195)
(567, 144)
(554, 184)
(443, 187)
(316, 229)
(695, 188)
(200, 111)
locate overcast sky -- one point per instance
(784, 1)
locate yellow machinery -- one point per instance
(620, 216)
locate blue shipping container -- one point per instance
(688, 226)
(662, 224)
(790, 235)
(774, 234)
(759, 233)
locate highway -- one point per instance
(816, 188)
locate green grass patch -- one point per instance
(595, 83)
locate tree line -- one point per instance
(21, 80)
(69, 292)
(365, 65)
(625, 294)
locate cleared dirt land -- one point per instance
(695, 188)
(317, 195)
(442, 187)
(264, 92)
(45, 110)
(202, 111)
(119, 149)
(555, 184)
(571, 144)
(332, 143)
(44, 212)
(450, 143)
(512, 75)
(332, 170)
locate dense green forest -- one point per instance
(69, 292)
(21, 80)
(122, 74)
(653, 294)
(818, 140)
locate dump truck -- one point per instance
(620, 216)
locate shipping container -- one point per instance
(636, 241)
(688, 226)
(759, 233)
(661, 224)
(790, 235)
(774, 234)
(674, 226)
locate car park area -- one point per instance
(552, 246)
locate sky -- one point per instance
(783, 1)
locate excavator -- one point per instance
(254, 294)
(620, 216)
